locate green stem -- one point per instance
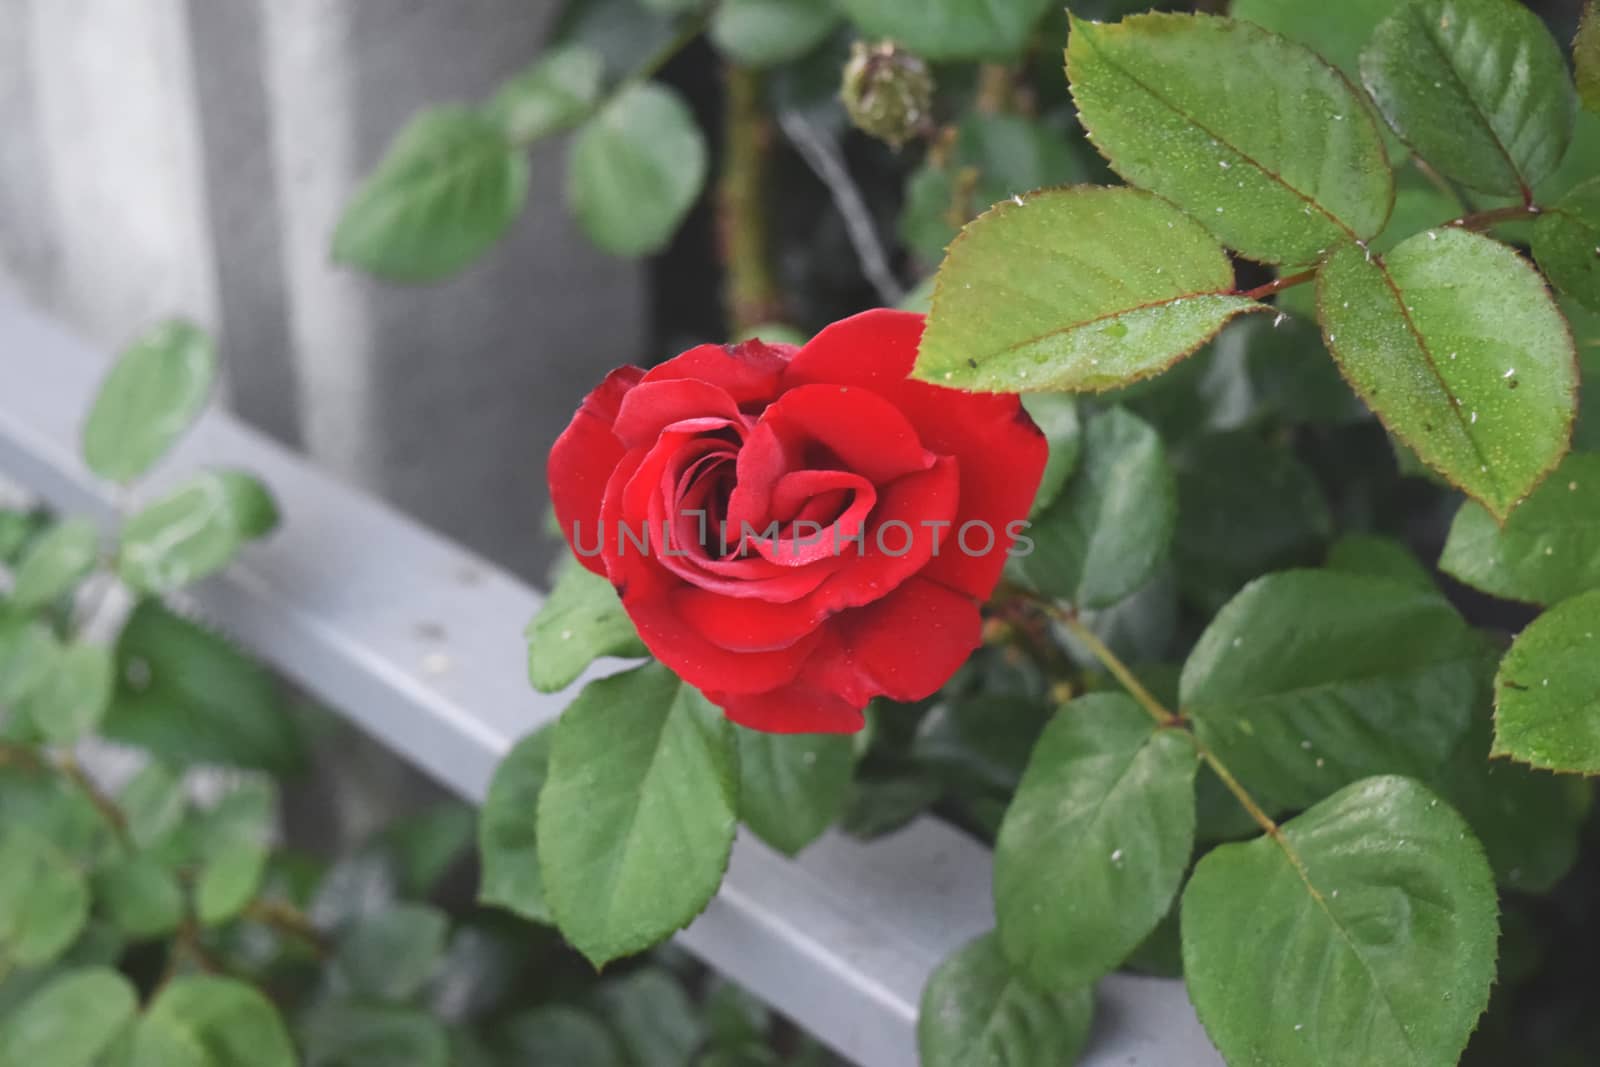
(1483, 220)
(287, 919)
(1277, 285)
(750, 292)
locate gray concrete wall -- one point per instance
(191, 156)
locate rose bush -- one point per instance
(776, 519)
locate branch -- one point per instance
(822, 156)
(750, 293)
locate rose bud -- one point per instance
(887, 91)
(796, 531)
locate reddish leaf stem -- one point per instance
(1261, 292)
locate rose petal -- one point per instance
(582, 461)
(797, 708)
(750, 372)
(874, 348)
(862, 431)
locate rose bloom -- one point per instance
(795, 531)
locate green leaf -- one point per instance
(1565, 242)
(977, 1013)
(428, 844)
(450, 186)
(189, 696)
(1379, 557)
(1108, 531)
(1529, 822)
(1106, 807)
(1419, 204)
(68, 703)
(1057, 418)
(1247, 508)
(1337, 32)
(237, 1026)
(391, 955)
(28, 653)
(1548, 550)
(141, 896)
(1309, 680)
(949, 29)
(44, 900)
(507, 831)
(154, 391)
(1454, 341)
(980, 742)
(342, 1034)
(1478, 88)
(792, 786)
(762, 33)
(581, 620)
(1364, 935)
(637, 818)
(157, 1042)
(635, 170)
(994, 157)
(54, 563)
(194, 531)
(1265, 144)
(229, 880)
(1081, 288)
(1291, 373)
(70, 1022)
(557, 1033)
(653, 1018)
(153, 804)
(1586, 58)
(1547, 692)
(554, 94)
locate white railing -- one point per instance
(419, 643)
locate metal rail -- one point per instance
(419, 643)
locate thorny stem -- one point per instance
(1120, 671)
(67, 766)
(289, 920)
(1261, 292)
(1482, 220)
(750, 292)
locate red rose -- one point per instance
(796, 531)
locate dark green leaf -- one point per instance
(1548, 550)
(982, 741)
(558, 1034)
(554, 94)
(188, 696)
(792, 786)
(44, 900)
(949, 29)
(391, 955)
(55, 562)
(194, 531)
(1547, 692)
(141, 896)
(237, 1026)
(507, 831)
(1106, 807)
(1528, 821)
(1454, 341)
(365, 1035)
(1290, 371)
(1336, 31)
(71, 1022)
(1309, 680)
(450, 186)
(1566, 242)
(1245, 508)
(581, 620)
(1364, 935)
(1478, 88)
(635, 170)
(1379, 557)
(428, 845)
(1074, 289)
(652, 1017)
(761, 33)
(1263, 142)
(637, 818)
(977, 1013)
(1110, 528)
(154, 391)
(1057, 418)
